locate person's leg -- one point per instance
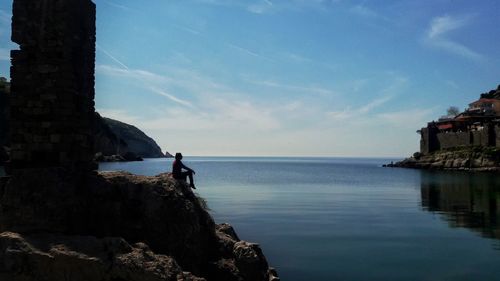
(190, 175)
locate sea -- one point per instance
(350, 219)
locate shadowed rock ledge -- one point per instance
(479, 159)
(116, 226)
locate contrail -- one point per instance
(111, 57)
(153, 89)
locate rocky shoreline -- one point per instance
(480, 159)
(116, 226)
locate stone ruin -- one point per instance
(52, 84)
(60, 221)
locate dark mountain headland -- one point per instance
(113, 140)
(117, 140)
(468, 140)
(62, 220)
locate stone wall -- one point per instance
(432, 140)
(497, 135)
(429, 141)
(52, 86)
(4, 98)
(453, 139)
(480, 138)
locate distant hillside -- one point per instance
(115, 137)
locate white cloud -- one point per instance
(413, 118)
(226, 121)
(215, 104)
(295, 88)
(438, 36)
(364, 111)
(361, 112)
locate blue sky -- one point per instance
(288, 78)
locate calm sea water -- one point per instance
(350, 219)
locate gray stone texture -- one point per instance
(52, 86)
(432, 140)
(453, 139)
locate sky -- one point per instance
(288, 78)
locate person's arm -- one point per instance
(187, 168)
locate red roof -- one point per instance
(445, 126)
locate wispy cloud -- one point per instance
(295, 88)
(296, 57)
(171, 97)
(4, 54)
(438, 36)
(5, 17)
(112, 57)
(119, 6)
(272, 6)
(248, 52)
(360, 112)
(364, 11)
(365, 111)
(188, 29)
(228, 120)
(145, 77)
(375, 103)
(261, 7)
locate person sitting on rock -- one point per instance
(177, 172)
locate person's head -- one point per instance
(178, 156)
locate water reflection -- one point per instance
(465, 200)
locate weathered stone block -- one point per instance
(53, 81)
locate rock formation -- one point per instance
(168, 221)
(83, 258)
(463, 159)
(59, 218)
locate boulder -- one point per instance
(155, 210)
(50, 257)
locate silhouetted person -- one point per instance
(177, 172)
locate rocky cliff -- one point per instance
(116, 226)
(113, 137)
(464, 159)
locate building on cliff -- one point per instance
(478, 125)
